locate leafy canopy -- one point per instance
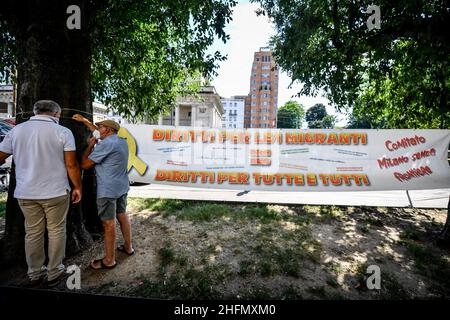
(318, 118)
(145, 52)
(290, 115)
(397, 73)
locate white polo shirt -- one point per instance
(38, 146)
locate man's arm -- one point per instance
(3, 157)
(78, 117)
(87, 163)
(73, 170)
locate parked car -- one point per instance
(5, 127)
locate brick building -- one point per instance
(261, 103)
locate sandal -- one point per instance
(121, 248)
(102, 264)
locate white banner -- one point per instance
(288, 159)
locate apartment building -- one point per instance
(261, 103)
(233, 117)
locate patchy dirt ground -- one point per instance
(202, 250)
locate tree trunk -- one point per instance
(53, 63)
(444, 238)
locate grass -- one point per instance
(410, 234)
(200, 211)
(391, 288)
(273, 242)
(431, 263)
(197, 211)
(186, 283)
(278, 242)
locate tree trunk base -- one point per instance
(443, 240)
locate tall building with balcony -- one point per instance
(233, 117)
(261, 103)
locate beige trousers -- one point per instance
(39, 214)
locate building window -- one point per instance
(189, 114)
(265, 75)
(201, 110)
(3, 107)
(265, 103)
(253, 103)
(265, 67)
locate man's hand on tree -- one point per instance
(79, 118)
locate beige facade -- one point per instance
(7, 98)
(203, 111)
(261, 103)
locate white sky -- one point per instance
(248, 33)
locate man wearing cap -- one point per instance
(110, 159)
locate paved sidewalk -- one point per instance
(437, 198)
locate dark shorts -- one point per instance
(109, 208)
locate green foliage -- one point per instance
(155, 51)
(144, 53)
(290, 115)
(7, 53)
(398, 76)
(318, 118)
(316, 113)
(409, 96)
(361, 122)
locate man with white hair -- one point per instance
(44, 154)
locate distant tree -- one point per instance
(318, 118)
(398, 73)
(328, 121)
(361, 122)
(290, 115)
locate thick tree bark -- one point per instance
(53, 63)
